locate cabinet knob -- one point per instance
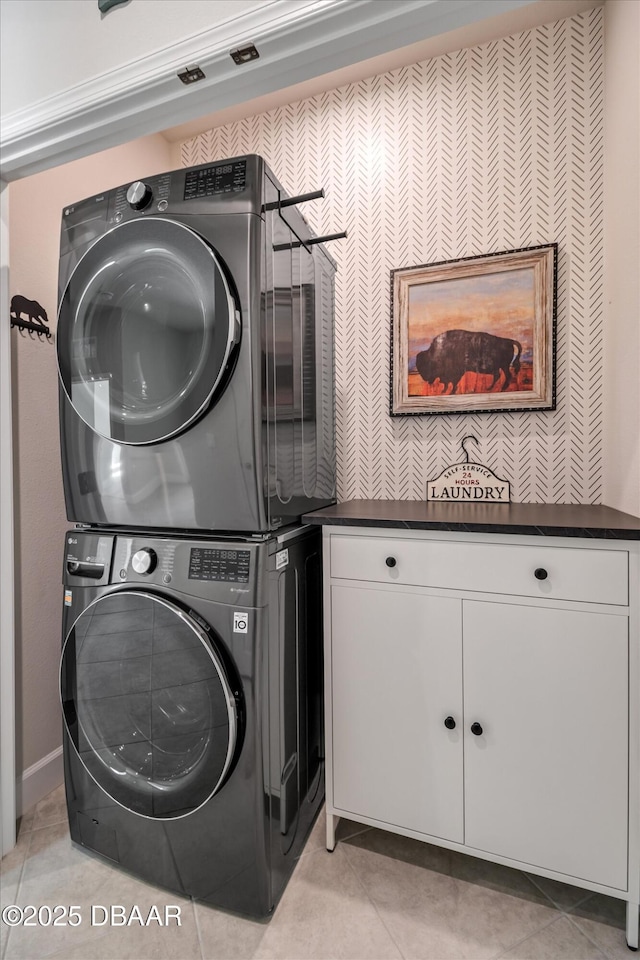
(540, 573)
(391, 561)
(450, 723)
(476, 729)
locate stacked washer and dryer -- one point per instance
(195, 352)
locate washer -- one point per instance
(191, 693)
(195, 354)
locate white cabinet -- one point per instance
(396, 668)
(478, 697)
(546, 781)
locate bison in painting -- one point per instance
(455, 352)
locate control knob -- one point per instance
(144, 561)
(139, 195)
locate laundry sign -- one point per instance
(468, 483)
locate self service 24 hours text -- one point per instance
(97, 915)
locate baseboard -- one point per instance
(38, 780)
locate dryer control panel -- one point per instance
(216, 179)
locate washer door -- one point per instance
(146, 331)
(148, 704)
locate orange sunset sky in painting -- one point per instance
(499, 303)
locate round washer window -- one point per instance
(146, 330)
(148, 704)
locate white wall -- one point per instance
(622, 255)
(7, 600)
(82, 43)
(36, 203)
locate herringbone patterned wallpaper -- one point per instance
(487, 149)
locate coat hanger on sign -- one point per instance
(464, 449)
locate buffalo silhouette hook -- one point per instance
(36, 314)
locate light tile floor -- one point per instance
(377, 896)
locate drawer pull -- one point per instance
(391, 561)
(476, 729)
(450, 723)
(540, 573)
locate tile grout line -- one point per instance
(18, 885)
(588, 895)
(517, 943)
(377, 912)
(363, 828)
(198, 932)
(539, 930)
(356, 832)
(47, 826)
(564, 912)
(568, 913)
(599, 946)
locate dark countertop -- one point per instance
(537, 519)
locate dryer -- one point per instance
(195, 354)
(191, 687)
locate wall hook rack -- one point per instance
(310, 241)
(36, 314)
(292, 201)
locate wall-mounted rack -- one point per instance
(293, 201)
(37, 322)
(310, 241)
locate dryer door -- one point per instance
(148, 704)
(147, 329)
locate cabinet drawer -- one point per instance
(543, 571)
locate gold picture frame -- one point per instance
(475, 335)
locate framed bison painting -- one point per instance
(475, 335)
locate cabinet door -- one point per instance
(396, 667)
(546, 780)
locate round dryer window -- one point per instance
(146, 331)
(148, 704)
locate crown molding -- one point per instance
(296, 42)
